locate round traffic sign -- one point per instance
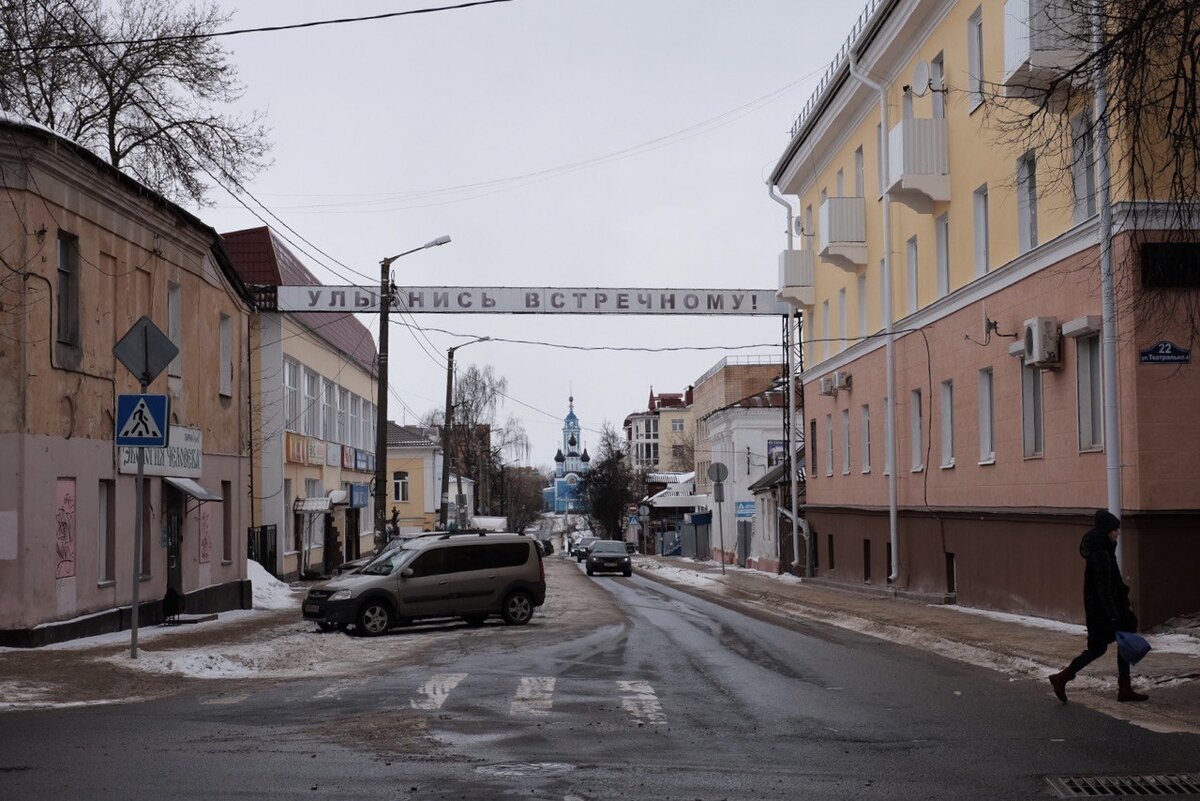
(644, 510)
(717, 472)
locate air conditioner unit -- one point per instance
(827, 387)
(1041, 341)
(841, 380)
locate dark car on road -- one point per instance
(583, 547)
(608, 556)
(469, 576)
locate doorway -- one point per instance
(174, 505)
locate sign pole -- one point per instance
(138, 505)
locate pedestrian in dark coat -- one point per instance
(1106, 605)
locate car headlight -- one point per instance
(340, 595)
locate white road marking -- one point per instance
(436, 690)
(535, 696)
(225, 700)
(639, 700)
(336, 689)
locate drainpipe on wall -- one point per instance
(1108, 353)
(793, 331)
(888, 328)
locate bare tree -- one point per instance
(142, 84)
(1148, 59)
(523, 500)
(611, 483)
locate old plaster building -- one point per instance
(916, 216)
(86, 251)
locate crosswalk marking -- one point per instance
(640, 701)
(535, 696)
(436, 690)
(336, 689)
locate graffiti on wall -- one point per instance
(205, 535)
(64, 518)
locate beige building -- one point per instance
(730, 380)
(991, 256)
(660, 436)
(414, 471)
(86, 252)
(313, 418)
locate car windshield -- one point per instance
(609, 546)
(389, 560)
(588, 540)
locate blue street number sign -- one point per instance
(142, 421)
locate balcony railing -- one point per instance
(1043, 39)
(796, 272)
(842, 232)
(919, 163)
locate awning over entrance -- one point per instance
(319, 504)
(192, 488)
(663, 500)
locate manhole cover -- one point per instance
(510, 769)
(1186, 784)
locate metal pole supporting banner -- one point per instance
(381, 406)
(444, 511)
(137, 548)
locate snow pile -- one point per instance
(269, 592)
(676, 575)
(1024, 620)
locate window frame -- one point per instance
(1032, 412)
(987, 416)
(400, 486)
(912, 263)
(917, 432)
(982, 225)
(1027, 222)
(947, 421)
(1089, 388)
(225, 355)
(942, 238)
(865, 437)
(67, 330)
(846, 442)
(829, 444)
(975, 63)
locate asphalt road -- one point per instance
(681, 699)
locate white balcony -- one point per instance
(1043, 39)
(842, 232)
(919, 163)
(796, 273)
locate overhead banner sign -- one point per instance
(533, 300)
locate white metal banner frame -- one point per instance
(534, 300)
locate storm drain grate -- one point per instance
(1089, 786)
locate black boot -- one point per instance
(1059, 682)
(1126, 693)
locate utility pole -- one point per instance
(447, 423)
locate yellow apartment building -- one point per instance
(912, 206)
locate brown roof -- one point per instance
(401, 436)
(260, 257)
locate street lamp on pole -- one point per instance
(447, 422)
(386, 289)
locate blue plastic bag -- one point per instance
(1131, 646)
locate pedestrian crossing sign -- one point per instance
(142, 421)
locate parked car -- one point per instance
(608, 556)
(584, 546)
(547, 546)
(470, 576)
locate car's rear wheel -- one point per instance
(474, 620)
(517, 608)
(374, 618)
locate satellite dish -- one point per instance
(798, 226)
(920, 79)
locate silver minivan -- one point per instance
(469, 576)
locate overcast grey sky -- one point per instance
(372, 120)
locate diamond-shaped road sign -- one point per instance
(142, 421)
(145, 350)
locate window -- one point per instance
(879, 145)
(175, 326)
(355, 429)
(291, 395)
(842, 319)
(676, 425)
(312, 409)
(289, 523)
(329, 415)
(918, 449)
(947, 424)
(862, 304)
(883, 297)
(225, 327)
(106, 534)
(865, 433)
(1083, 167)
(943, 255)
(314, 525)
(431, 563)
(400, 486)
(975, 59)
(810, 447)
(845, 441)
(1031, 408)
(343, 411)
(1091, 393)
(67, 326)
(824, 329)
(981, 230)
(829, 444)
(840, 183)
(913, 273)
(937, 85)
(368, 425)
(858, 172)
(226, 521)
(1027, 231)
(987, 440)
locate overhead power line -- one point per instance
(242, 31)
